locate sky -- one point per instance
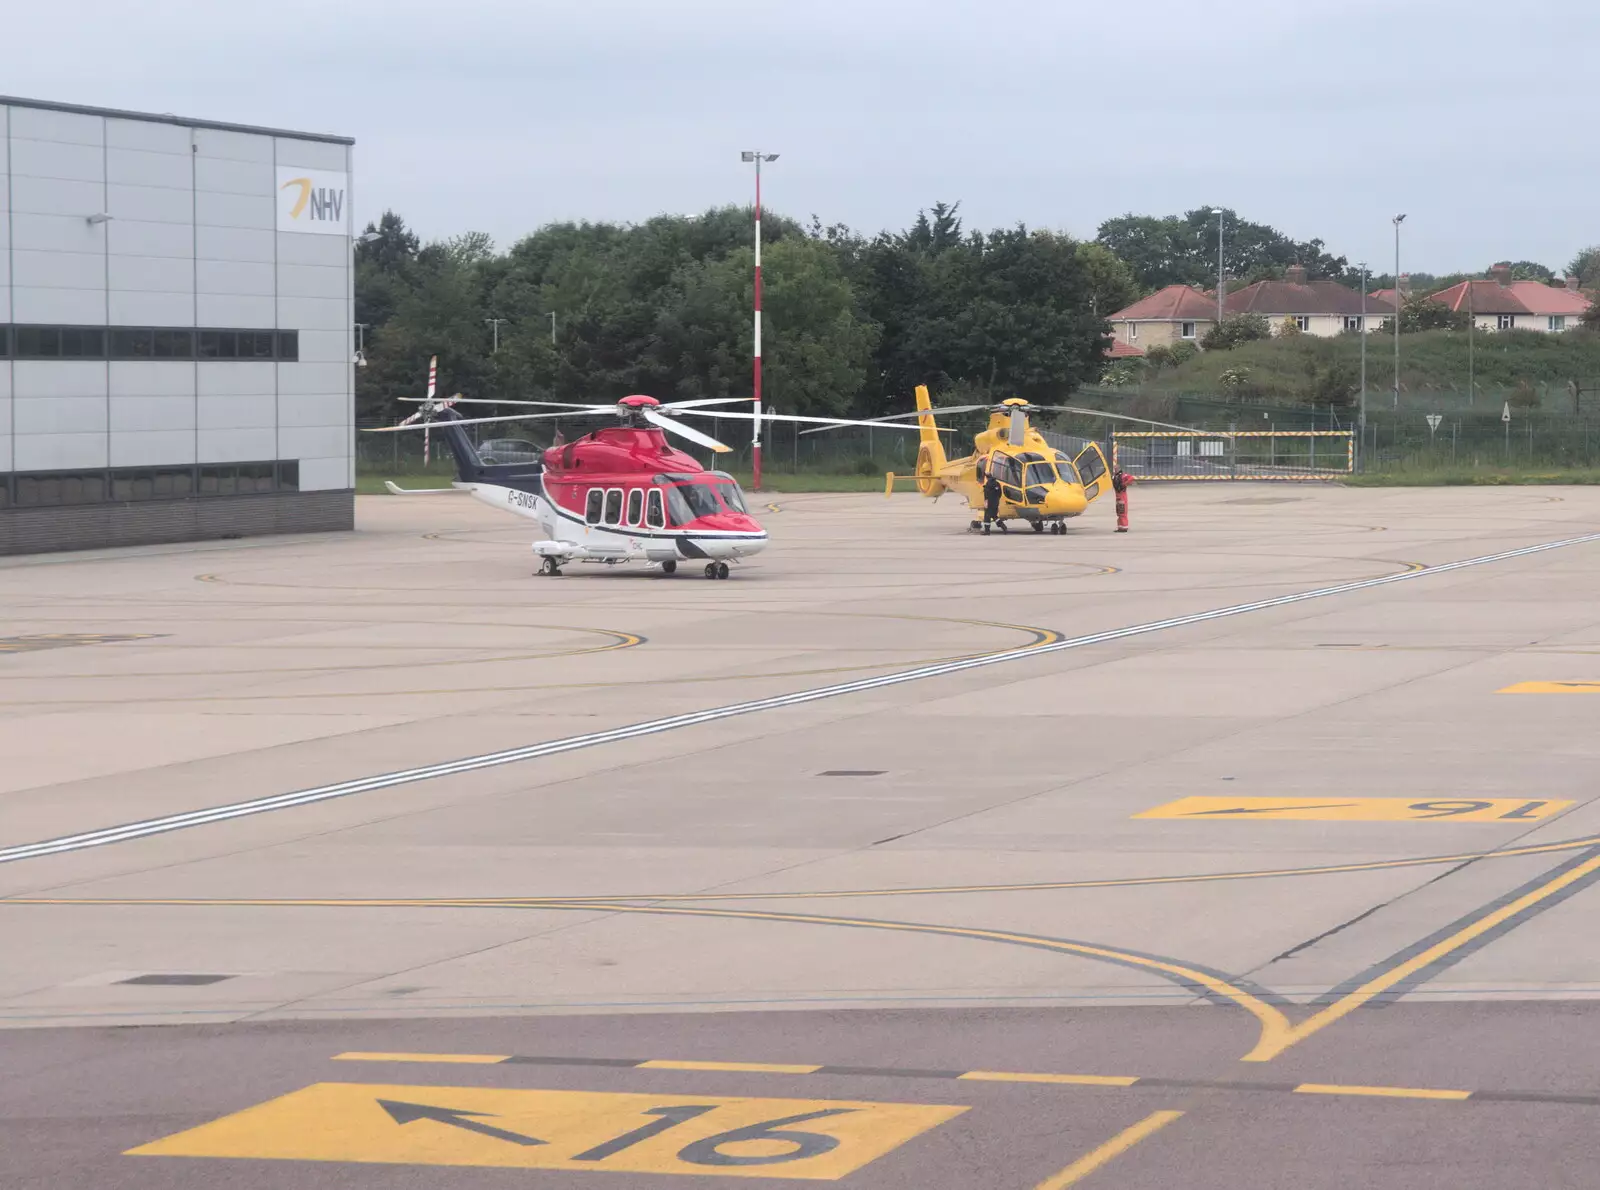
(1474, 118)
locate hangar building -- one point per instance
(175, 324)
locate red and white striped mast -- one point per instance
(755, 441)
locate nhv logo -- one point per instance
(313, 201)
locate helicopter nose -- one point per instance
(1063, 500)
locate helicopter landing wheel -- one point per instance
(722, 570)
(550, 568)
(1038, 527)
(669, 567)
(974, 526)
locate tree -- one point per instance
(1531, 270)
(1425, 314)
(1110, 282)
(1240, 328)
(1591, 318)
(1585, 267)
(1288, 328)
(1182, 249)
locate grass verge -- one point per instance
(1439, 477)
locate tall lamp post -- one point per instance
(1398, 220)
(1362, 416)
(748, 156)
(1218, 212)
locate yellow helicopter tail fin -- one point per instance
(931, 458)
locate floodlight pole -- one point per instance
(495, 322)
(1221, 216)
(1398, 220)
(1362, 418)
(751, 155)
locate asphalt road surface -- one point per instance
(1254, 848)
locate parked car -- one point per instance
(509, 450)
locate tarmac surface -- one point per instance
(1254, 848)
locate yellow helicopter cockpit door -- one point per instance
(1008, 471)
(1092, 469)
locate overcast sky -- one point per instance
(1474, 117)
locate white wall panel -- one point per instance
(53, 196)
(163, 273)
(85, 307)
(313, 442)
(58, 270)
(311, 154)
(312, 378)
(325, 475)
(234, 210)
(135, 414)
(239, 413)
(152, 448)
(148, 135)
(134, 167)
(53, 159)
(328, 251)
(219, 379)
(58, 452)
(57, 233)
(145, 307)
(238, 446)
(151, 378)
(57, 415)
(318, 409)
(136, 237)
(237, 146)
(154, 204)
(234, 243)
(309, 281)
(59, 378)
(320, 313)
(40, 124)
(326, 346)
(234, 276)
(224, 309)
(224, 176)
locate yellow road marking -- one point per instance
(703, 1135)
(1358, 809)
(1380, 1092)
(1268, 1048)
(458, 1059)
(1112, 1149)
(1553, 688)
(748, 1067)
(1074, 1080)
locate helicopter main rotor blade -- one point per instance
(699, 401)
(460, 421)
(889, 419)
(825, 421)
(540, 404)
(1125, 417)
(689, 432)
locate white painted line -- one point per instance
(305, 797)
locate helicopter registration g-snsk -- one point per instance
(1039, 484)
(620, 493)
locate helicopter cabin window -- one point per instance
(728, 489)
(1065, 468)
(655, 512)
(689, 497)
(635, 506)
(614, 506)
(595, 506)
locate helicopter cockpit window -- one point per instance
(1005, 469)
(1066, 469)
(689, 497)
(728, 489)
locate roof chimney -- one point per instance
(1295, 274)
(1573, 284)
(1501, 273)
(1404, 287)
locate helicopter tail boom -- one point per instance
(931, 458)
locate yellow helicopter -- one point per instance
(1039, 484)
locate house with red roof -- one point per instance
(1323, 308)
(1501, 304)
(1176, 314)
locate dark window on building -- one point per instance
(5, 341)
(62, 488)
(38, 342)
(289, 345)
(174, 344)
(132, 343)
(219, 345)
(260, 344)
(83, 342)
(289, 475)
(153, 483)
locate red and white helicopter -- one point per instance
(620, 493)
